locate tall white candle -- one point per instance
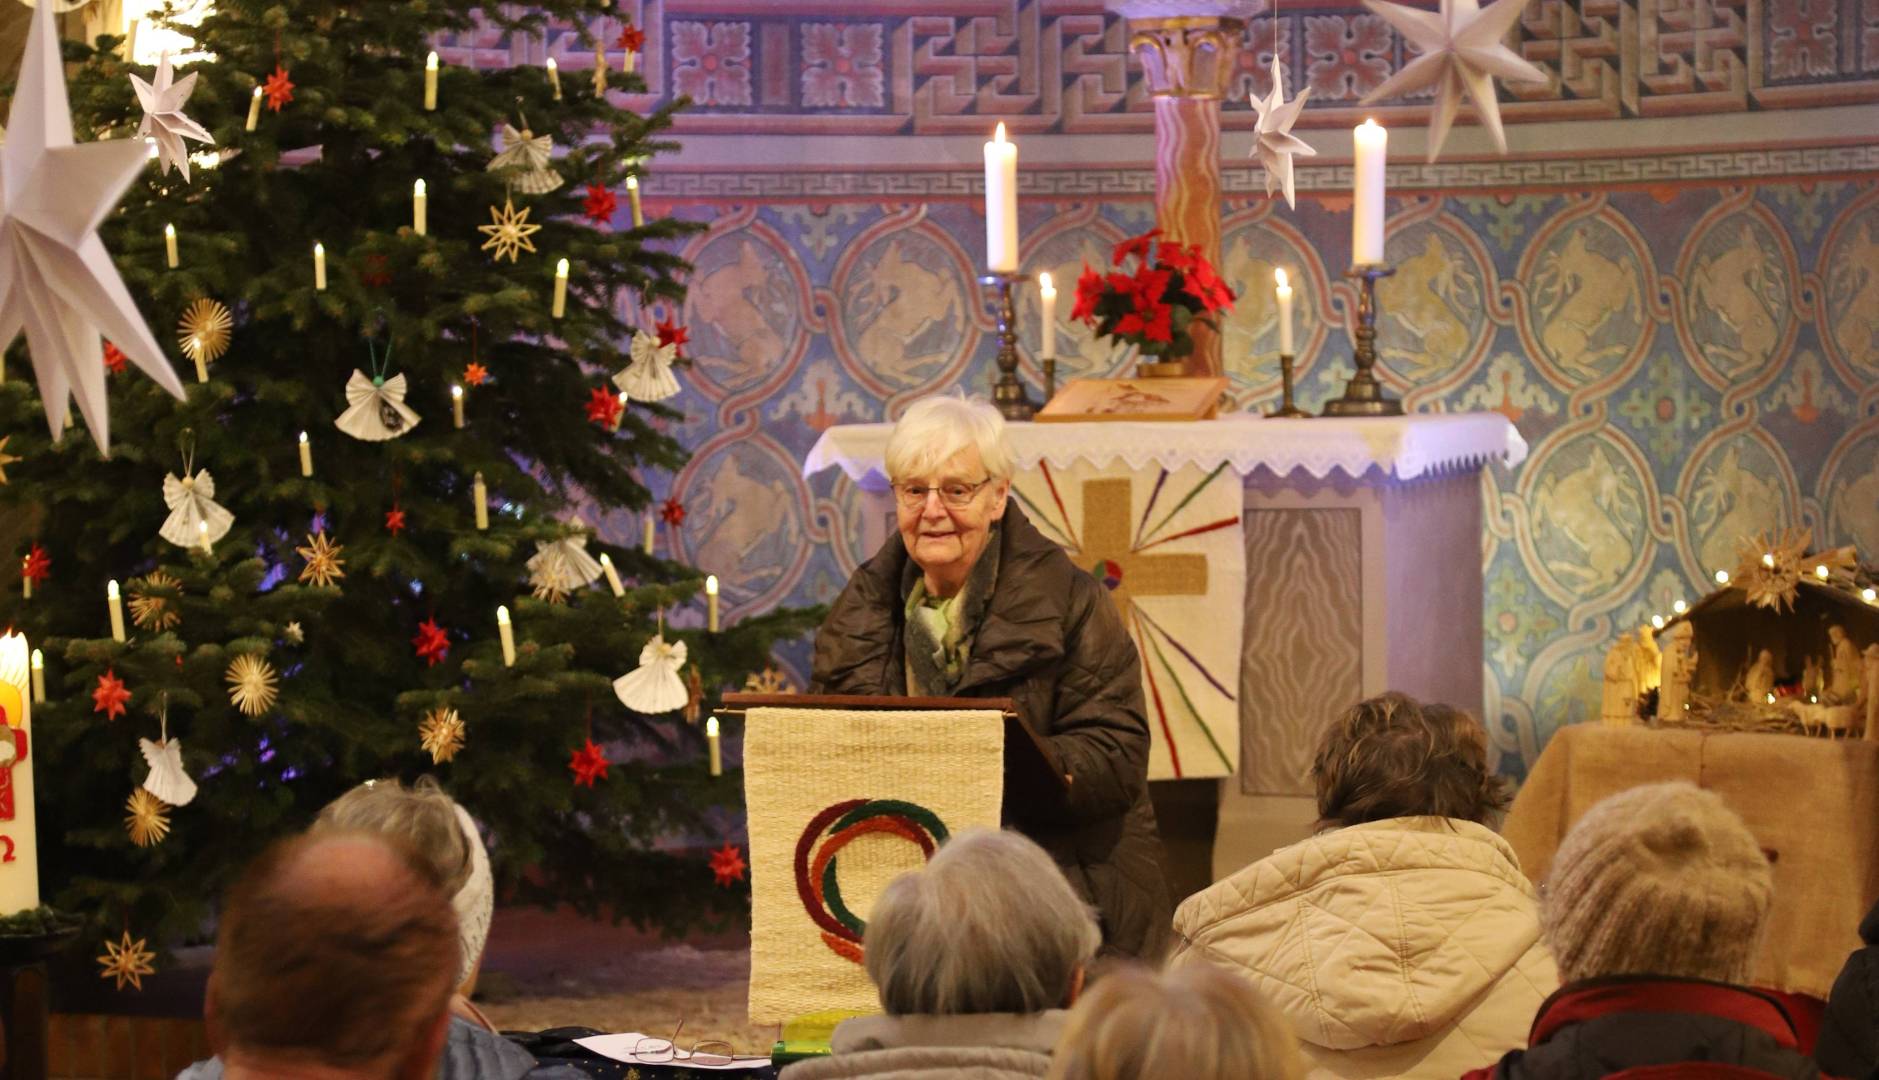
(711, 603)
(711, 742)
(1047, 315)
(1001, 204)
(39, 677)
(319, 266)
(632, 196)
(507, 633)
(19, 872)
(254, 110)
(130, 42)
(561, 289)
(116, 604)
(456, 405)
(420, 209)
(1371, 144)
(306, 456)
(554, 77)
(613, 576)
(480, 496)
(169, 245)
(430, 82)
(1283, 289)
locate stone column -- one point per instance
(1187, 51)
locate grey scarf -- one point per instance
(939, 638)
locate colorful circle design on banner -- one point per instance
(817, 879)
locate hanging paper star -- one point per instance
(1462, 52)
(324, 564)
(394, 521)
(1273, 141)
(110, 697)
(432, 643)
(279, 89)
(727, 865)
(440, 733)
(146, 819)
(475, 374)
(632, 39)
(603, 407)
(673, 512)
(508, 232)
(113, 359)
(600, 204)
(57, 283)
(588, 764)
(37, 565)
(129, 961)
(162, 102)
(8, 459)
(671, 333)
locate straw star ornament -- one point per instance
(441, 734)
(5, 458)
(324, 564)
(252, 684)
(127, 961)
(146, 819)
(1462, 52)
(508, 231)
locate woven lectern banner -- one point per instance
(840, 804)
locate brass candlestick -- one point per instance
(1287, 408)
(1363, 395)
(1008, 394)
(1050, 379)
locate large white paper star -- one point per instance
(56, 279)
(1273, 141)
(163, 116)
(1462, 50)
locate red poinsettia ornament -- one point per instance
(588, 764)
(727, 865)
(1172, 287)
(110, 697)
(600, 204)
(432, 643)
(603, 407)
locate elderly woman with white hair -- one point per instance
(968, 599)
(975, 956)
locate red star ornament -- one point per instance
(671, 333)
(600, 204)
(431, 642)
(375, 271)
(727, 864)
(37, 565)
(632, 38)
(673, 512)
(588, 764)
(395, 521)
(114, 358)
(603, 407)
(475, 374)
(279, 89)
(110, 697)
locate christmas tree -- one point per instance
(345, 625)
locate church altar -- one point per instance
(1344, 561)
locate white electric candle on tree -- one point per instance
(19, 871)
(1001, 204)
(319, 266)
(254, 110)
(202, 534)
(306, 456)
(711, 603)
(26, 580)
(456, 405)
(169, 245)
(711, 742)
(632, 196)
(1371, 145)
(430, 82)
(613, 576)
(1283, 290)
(1047, 316)
(39, 677)
(480, 496)
(561, 289)
(420, 209)
(652, 527)
(508, 636)
(554, 77)
(116, 603)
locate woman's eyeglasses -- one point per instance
(954, 493)
(654, 1051)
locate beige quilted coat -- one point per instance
(1409, 947)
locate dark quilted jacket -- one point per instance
(1849, 1036)
(1052, 641)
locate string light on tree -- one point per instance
(456, 406)
(254, 111)
(632, 198)
(116, 604)
(430, 83)
(507, 634)
(306, 456)
(420, 210)
(319, 266)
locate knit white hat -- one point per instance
(475, 902)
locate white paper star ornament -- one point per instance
(1273, 141)
(57, 284)
(1462, 52)
(163, 101)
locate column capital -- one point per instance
(1186, 55)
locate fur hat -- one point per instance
(1662, 879)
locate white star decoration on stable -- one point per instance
(57, 283)
(164, 121)
(1462, 51)
(1273, 141)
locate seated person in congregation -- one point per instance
(1192, 1023)
(1403, 939)
(975, 957)
(1849, 1033)
(968, 599)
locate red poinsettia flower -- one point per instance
(632, 39)
(600, 204)
(110, 697)
(475, 374)
(114, 358)
(1089, 290)
(279, 89)
(394, 521)
(37, 565)
(1135, 245)
(432, 643)
(727, 865)
(673, 512)
(671, 333)
(588, 764)
(603, 407)
(1149, 286)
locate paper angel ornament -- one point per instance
(559, 567)
(654, 686)
(167, 780)
(528, 154)
(195, 517)
(648, 376)
(162, 101)
(375, 408)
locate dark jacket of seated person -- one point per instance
(1849, 1036)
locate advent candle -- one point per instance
(169, 244)
(306, 456)
(1371, 144)
(456, 405)
(116, 603)
(554, 77)
(1047, 302)
(1001, 204)
(319, 266)
(430, 82)
(711, 741)
(254, 110)
(508, 636)
(420, 209)
(652, 526)
(613, 576)
(711, 603)
(1284, 292)
(480, 496)
(19, 874)
(39, 677)
(561, 289)
(632, 196)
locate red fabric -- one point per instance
(1806, 1011)
(1710, 999)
